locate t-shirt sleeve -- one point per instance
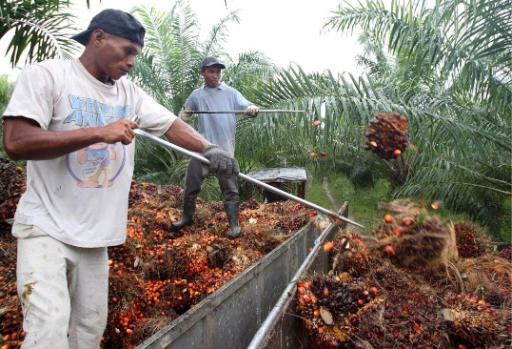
(191, 102)
(240, 102)
(33, 96)
(154, 118)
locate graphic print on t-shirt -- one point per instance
(98, 165)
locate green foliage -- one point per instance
(451, 81)
(5, 94)
(41, 28)
(505, 221)
(245, 74)
(168, 69)
(363, 202)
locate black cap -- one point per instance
(210, 62)
(115, 22)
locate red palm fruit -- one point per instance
(328, 246)
(390, 250)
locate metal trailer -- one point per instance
(230, 317)
(282, 329)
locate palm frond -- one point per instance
(41, 29)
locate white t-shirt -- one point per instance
(81, 198)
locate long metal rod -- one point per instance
(275, 190)
(261, 335)
(243, 111)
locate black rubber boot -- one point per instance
(189, 207)
(232, 210)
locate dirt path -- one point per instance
(334, 204)
(327, 190)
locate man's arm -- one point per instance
(243, 104)
(183, 135)
(25, 140)
(188, 108)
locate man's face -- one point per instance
(116, 55)
(211, 76)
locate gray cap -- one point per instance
(210, 62)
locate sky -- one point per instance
(286, 31)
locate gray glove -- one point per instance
(220, 161)
(185, 114)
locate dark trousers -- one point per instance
(197, 172)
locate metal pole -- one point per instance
(275, 190)
(243, 111)
(261, 335)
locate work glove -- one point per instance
(185, 114)
(252, 111)
(220, 161)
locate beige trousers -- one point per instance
(63, 291)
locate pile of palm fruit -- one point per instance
(156, 275)
(414, 283)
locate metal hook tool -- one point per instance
(259, 183)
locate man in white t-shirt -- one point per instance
(72, 121)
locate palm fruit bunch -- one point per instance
(488, 277)
(422, 243)
(351, 255)
(336, 295)
(506, 253)
(12, 185)
(405, 318)
(413, 240)
(387, 135)
(473, 320)
(469, 241)
(328, 305)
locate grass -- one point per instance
(363, 201)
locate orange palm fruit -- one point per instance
(390, 250)
(328, 246)
(407, 221)
(436, 205)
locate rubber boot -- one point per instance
(189, 207)
(232, 210)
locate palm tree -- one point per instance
(5, 94)
(168, 69)
(449, 72)
(41, 28)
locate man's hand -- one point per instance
(252, 111)
(119, 131)
(220, 161)
(24, 139)
(185, 114)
